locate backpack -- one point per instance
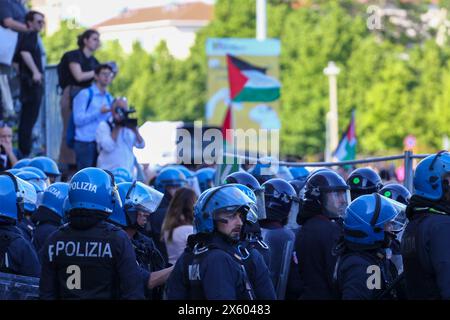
(70, 133)
(63, 72)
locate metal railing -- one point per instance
(408, 159)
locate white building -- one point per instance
(176, 24)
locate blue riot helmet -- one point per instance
(281, 200)
(370, 222)
(326, 193)
(54, 197)
(225, 199)
(191, 179)
(299, 173)
(22, 163)
(39, 172)
(13, 171)
(430, 177)
(15, 194)
(363, 181)
(284, 173)
(264, 169)
(47, 165)
(38, 184)
(246, 179)
(396, 192)
(93, 189)
(205, 178)
(32, 178)
(140, 198)
(122, 174)
(66, 208)
(170, 177)
(118, 179)
(11, 197)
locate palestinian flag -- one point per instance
(230, 164)
(249, 83)
(346, 149)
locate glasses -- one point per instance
(41, 22)
(107, 74)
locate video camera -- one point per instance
(125, 119)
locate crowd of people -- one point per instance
(96, 128)
(290, 234)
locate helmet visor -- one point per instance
(335, 203)
(398, 223)
(143, 198)
(260, 203)
(292, 218)
(27, 192)
(40, 184)
(248, 213)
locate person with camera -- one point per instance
(117, 137)
(91, 106)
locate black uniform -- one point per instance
(353, 272)
(277, 238)
(426, 253)
(313, 246)
(27, 227)
(46, 222)
(215, 272)
(17, 255)
(156, 220)
(90, 259)
(149, 259)
(259, 276)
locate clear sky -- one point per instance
(90, 12)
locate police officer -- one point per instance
(212, 265)
(26, 224)
(425, 243)
(402, 195)
(139, 201)
(257, 265)
(89, 258)
(17, 254)
(363, 181)
(48, 166)
(324, 202)
(168, 181)
(281, 202)
(205, 178)
(251, 232)
(362, 270)
(49, 216)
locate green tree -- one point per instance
(63, 40)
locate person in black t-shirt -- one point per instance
(12, 15)
(31, 78)
(78, 69)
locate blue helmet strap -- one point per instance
(376, 214)
(129, 190)
(113, 185)
(435, 158)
